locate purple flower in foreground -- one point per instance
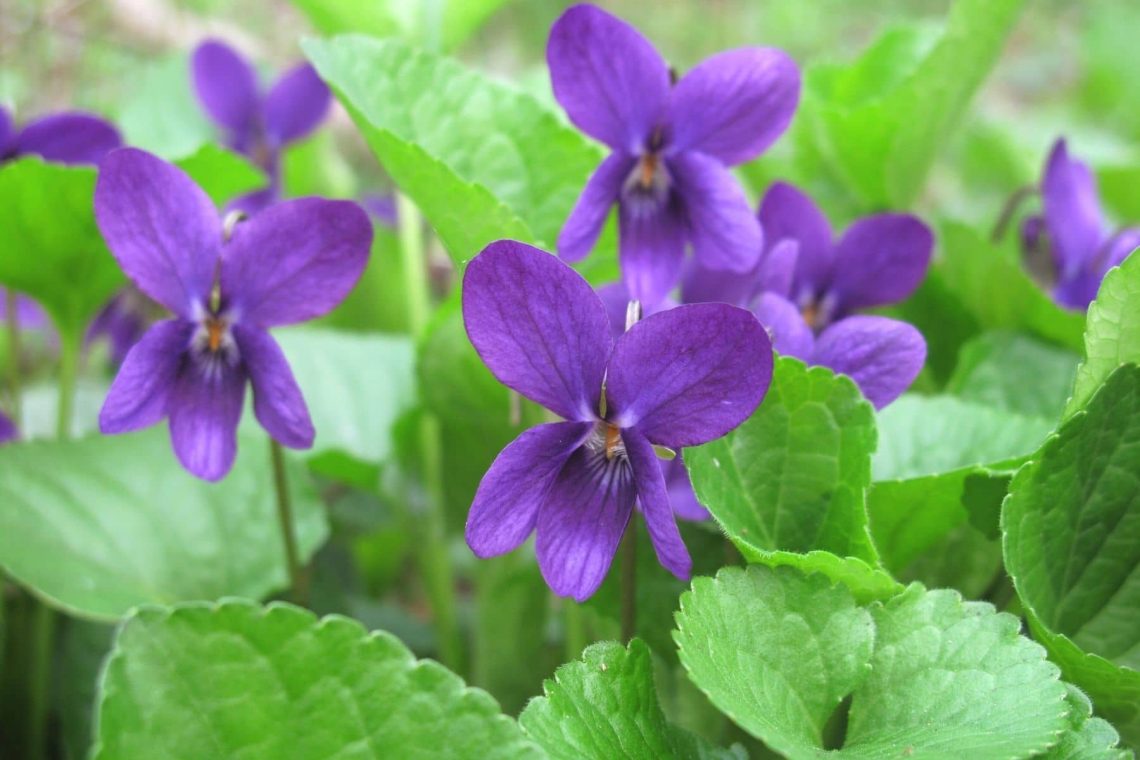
(808, 286)
(671, 146)
(258, 125)
(1073, 230)
(68, 137)
(678, 378)
(293, 262)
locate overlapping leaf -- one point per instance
(788, 484)
(238, 679)
(1072, 546)
(928, 674)
(99, 525)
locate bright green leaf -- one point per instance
(161, 113)
(927, 673)
(240, 680)
(453, 23)
(1112, 337)
(223, 174)
(482, 161)
(605, 706)
(928, 447)
(1014, 372)
(50, 247)
(995, 288)
(99, 525)
(790, 480)
(1088, 738)
(1072, 546)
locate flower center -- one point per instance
(607, 439)
(812, 314)
(215, 332)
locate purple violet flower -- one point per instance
(291, 263)
(671, 146)
(1073, 230)
(677, 378)
(123, 321)
(808, 286)
(68, 137)
(258, 125)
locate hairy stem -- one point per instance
(298, 578)
(1009, 211)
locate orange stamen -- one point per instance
(811, 314)
(648, 169)
(214, 330)
(613, 440)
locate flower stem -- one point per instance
(575, 624)
(1008, 212)
(435, 562)
(12, 317)
(41, 618)
(629, 581)
(298, 578)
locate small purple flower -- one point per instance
(7, 429)
(123, 321)
(677, 378)
(258, 125)
(808, 286)
(1072, 228)
(671, 145)
(68, 137)
(382, 208)
(291, 263)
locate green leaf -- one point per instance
(240, 680)
(161, 113)
(453, 24)
(1014, 372)
(1071, 527)
(1088, 738)
(1112, 337)
(50, 247)
(790, 480)
(994, 287)
(882, 121)
(356, 386)
(482, 161)
(927, 673)
(99, 525)
(223, 174)
(929, 446)
(605, 706)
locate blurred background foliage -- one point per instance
(1069, 68)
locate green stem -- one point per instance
(629, 581)
(41, 624)
(12, 316)
(298, 578)
(435, 562)
(574, 621)
(1014, 202)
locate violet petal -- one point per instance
(138, 396)
(227, 87)
(296, 260)
(724, 232)
(1072, 210)
(786, 213)
(163, 230)
(651, 250)
(880, 260)
(538, 327)
(654, 498)
(585, 222)
(790, 334)
(883, 356)
(296, 104)
(68, 138)
(735, 104)
(277, 400)
(581, 521)
(612, 82)
(508, 498)
(688, 375)
(205, 407)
